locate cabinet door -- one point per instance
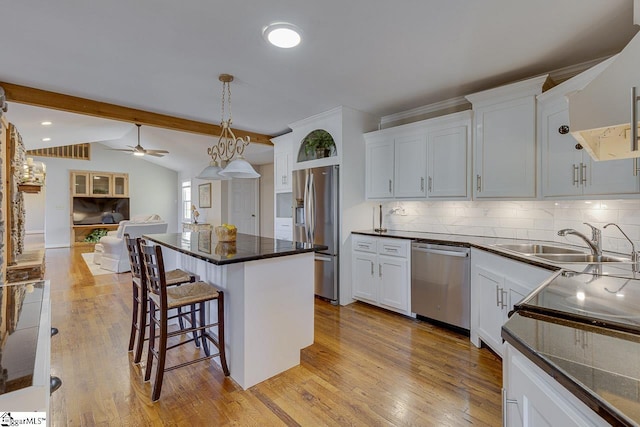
(491, 315)
(533, 398)
(560, 157)
(364, 276)
(410, 166)
(283, 172)
(448, 167)
(379, 169)
(120, 185)
(100, 184)
(394, 283)
(505, 149)
(610, 177)
(80, 183)
(513, 293)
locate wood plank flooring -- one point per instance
(367, 367)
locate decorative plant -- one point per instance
(95, 235)
(318, 141)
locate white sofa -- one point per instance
(111, 253)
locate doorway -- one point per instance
(244, 205)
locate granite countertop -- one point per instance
(600, 366)
(205, 245)
(19, 328)
(491, 244)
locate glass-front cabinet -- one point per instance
(100, 184)
(121, 185)
(80, 183)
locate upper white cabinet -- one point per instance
(422, 160)
(379, 167)
(567, 169)
(505, 140)
(283, 163)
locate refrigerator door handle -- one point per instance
(307, 208)
(323, 258)
(312, 209)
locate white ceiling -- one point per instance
(376, 56)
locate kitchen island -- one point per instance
(269, 296)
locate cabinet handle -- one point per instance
(497, 296)
(421, 183)
(380, 270)
(636, 167)
(583, 173)
(430, 184)
(478, 183)
(575, 174)
(502, 303)
(371, 268)
(390, 183)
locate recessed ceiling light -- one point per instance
(282, 34)
(47, 123)
(46, 139)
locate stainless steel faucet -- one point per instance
(635, 256)
(595, 243)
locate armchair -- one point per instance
(112, 251)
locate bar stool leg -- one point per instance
(152, 341)
(143, 307)
(193, 323)
(135, 318)
(162, 353)
(221, 348)
(203, 332)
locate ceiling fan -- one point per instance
(138, 150)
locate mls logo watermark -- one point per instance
(23, 419)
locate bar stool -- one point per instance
(161, 300)
(140, 310)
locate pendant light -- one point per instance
(223, 165)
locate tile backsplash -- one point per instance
(538, 220)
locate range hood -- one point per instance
(600, 115)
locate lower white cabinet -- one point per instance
(497, 284)
(284, 229)
(381, 272)
(531, 397)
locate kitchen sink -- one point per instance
(579, 257)
(536, 249)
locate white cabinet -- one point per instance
(284, 229)
(531, 397)
(497, 284)
(381, 272)
(427, 159)
(568, 170)
(283, 163)
(448, 161)
(505, 140)
(410, 154)
(379, 168)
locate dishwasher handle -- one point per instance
(441, 252)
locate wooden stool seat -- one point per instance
(178, 276)
(187, 294)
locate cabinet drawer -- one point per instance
(364, 244)
(393, 247)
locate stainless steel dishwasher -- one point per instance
(440, 283)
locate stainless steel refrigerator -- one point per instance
(316, 220)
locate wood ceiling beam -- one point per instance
(73, 104)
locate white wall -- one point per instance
(152, 189)
(267, 191)
(537, 220)
(34, 204)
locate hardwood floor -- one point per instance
(367, 367)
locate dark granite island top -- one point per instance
(205, 246)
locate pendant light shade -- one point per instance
(212, 172)
(239, 168)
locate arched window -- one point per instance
(317, 144)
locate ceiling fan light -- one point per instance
(239, 168)
(212, 173)
(138, 153)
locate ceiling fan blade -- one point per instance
(120, 149)
(157, 151)
(154, 154)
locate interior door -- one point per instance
(243, 205)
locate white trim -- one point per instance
(508, 92)
(425, 109)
